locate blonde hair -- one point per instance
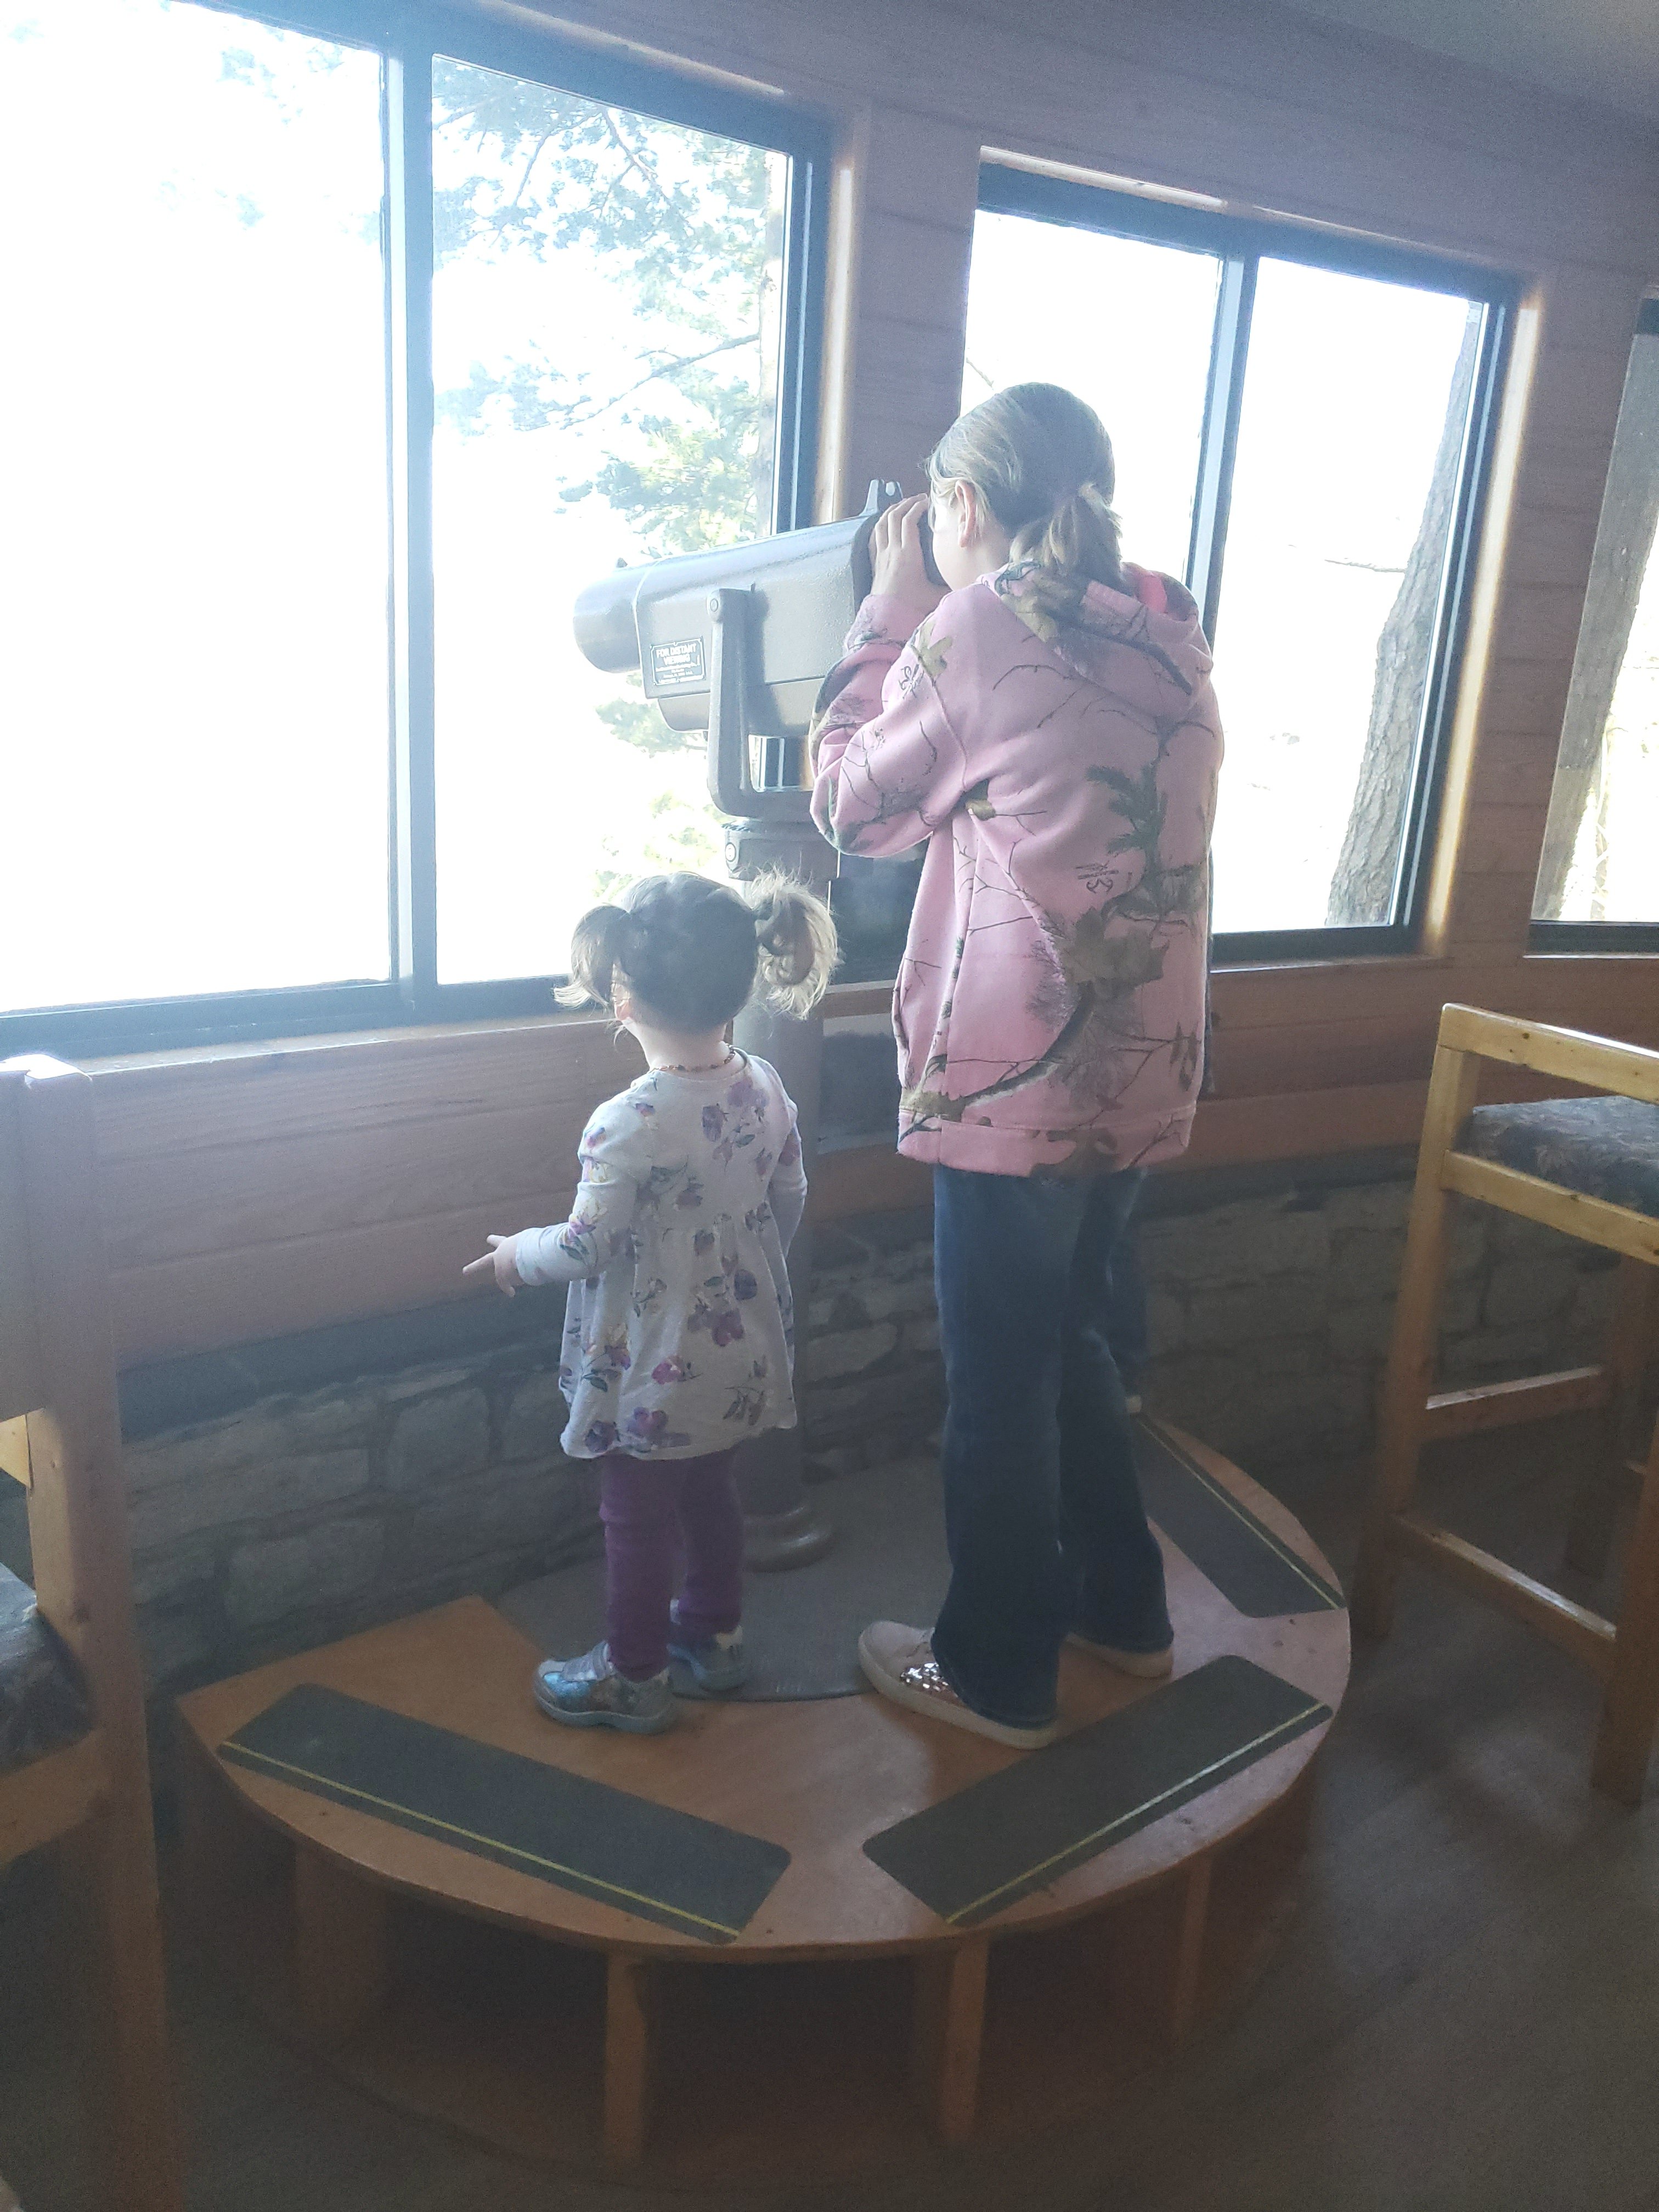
(1042, 461)
(694, 952)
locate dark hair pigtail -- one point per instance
(595, 951)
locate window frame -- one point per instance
(1240, 243)
(407, 41)
(1602, 937)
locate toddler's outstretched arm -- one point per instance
(571, 1251)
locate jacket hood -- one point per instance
(1127, 642)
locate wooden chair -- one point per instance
(74, 1765)
(1591, 1167)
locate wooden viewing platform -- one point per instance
(845, 2023)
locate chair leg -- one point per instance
(1630, 1715)
(125, 2010)
(1631, 1347)
(1409, 1376)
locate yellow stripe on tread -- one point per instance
(1082, 1842)
(1256, 1528)
(431, 1819)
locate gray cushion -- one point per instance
(43, 1706)
(1605, 1148)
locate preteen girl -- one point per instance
(1047, 724)
(678, 1335)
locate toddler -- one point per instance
(678, 1333)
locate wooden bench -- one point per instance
(74, 1767)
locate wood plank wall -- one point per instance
(267, 1188)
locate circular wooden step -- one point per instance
(845, 2022)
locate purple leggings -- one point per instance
(649, 1507)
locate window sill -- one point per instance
(842, 1000)
(1358, 964)
(284, 1047)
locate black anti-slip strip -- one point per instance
(1255, 1571)
(993, 1843)
(661, 1865)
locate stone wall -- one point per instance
(310, 1515)
(1270, 1297)
(1270, 1311)
(288, 1493)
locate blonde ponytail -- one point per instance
(1079, 537)
(1041, 460)
(795, 936)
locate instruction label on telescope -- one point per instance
(679, 662)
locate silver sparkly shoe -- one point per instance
(899, 1662)
(589, 1692)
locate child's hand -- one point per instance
(898, 567)
(500, 1262)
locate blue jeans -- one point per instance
(1042, 1511)
(1125, 1306)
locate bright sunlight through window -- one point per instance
(194, 678)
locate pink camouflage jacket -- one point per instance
(1049, 1008)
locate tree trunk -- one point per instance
(1362, 889)
(1624, 541)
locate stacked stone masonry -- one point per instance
(302, 1516)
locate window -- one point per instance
(193, 395)
(606, 316)
(1299, 429)
(1598, 888)
(353, 357)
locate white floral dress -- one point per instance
(678, 1337)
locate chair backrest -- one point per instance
(1599, 1063)
(60, 1431)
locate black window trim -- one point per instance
(1240, 243)
(1604, 937)
(408, 39)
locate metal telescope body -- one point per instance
(738, 642)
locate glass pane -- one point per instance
(1355, 416)
(1598, 860)
(1127, 327)
(193, 678)
(607, 318)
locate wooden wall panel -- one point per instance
(266, 1188)
(250, 1095)
(242, 1295)
(171, 1204)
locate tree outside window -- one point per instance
(1598, 867)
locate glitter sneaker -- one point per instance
(899, 1662)
(589, 1692)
